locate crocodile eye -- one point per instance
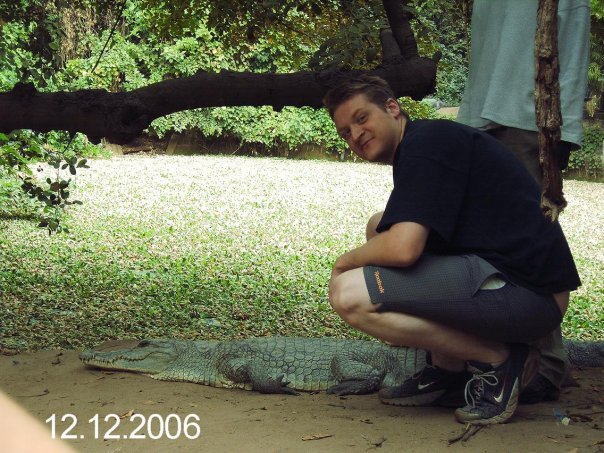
(143, 343)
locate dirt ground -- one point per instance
(55, 382)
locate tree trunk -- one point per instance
(547, 107)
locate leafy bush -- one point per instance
(276, 131)
(18, 151)
(451, 79)
(587, 162)
(15, 59)
(444, 28)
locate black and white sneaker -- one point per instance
(492, 393)
(428, 387)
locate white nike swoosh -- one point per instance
(423, 386)
(499, 398)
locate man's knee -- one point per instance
(349, 297)
(341, 297)
(372, 224)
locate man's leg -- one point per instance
(442, 360)
(442, 366)
(349, 297)
(554, 360)
(499, 371)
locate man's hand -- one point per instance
(400, 246)
(338, 269)
(345, 263)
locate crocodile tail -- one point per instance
(585, 353)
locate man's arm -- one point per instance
(400, 246)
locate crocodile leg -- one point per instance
(245, 370)
(354, 377)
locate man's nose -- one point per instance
(356, 132)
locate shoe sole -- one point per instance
(425, 399)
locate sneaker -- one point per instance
(492, 393)
(430, 386)
(539, 389)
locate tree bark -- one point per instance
(401, 29)
(547, 107)
(119, 117)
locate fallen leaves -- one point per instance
(178, 245)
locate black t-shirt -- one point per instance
(477, 198)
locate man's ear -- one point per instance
(393, 107)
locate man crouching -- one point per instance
(461, 262)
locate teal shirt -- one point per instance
(501, 80)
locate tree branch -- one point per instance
(398, 19)
(120, 117)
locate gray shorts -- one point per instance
(454, 291)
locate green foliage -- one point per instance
(417, 110)
(451, 78)
(17, 152)
(588, 162)
(595, 71)
(286, 130)
(15, 60)
(445, 27)
(597, 9)
(355, 43)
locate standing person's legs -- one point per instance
(525, 146)
(554, 360)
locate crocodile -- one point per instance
(286, 364)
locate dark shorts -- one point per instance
(450, 290)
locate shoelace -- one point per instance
(475, 386)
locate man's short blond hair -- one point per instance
(374, 88)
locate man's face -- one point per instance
(372, 132)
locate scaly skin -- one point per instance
(287, 364)
(585, 353)
(268, 364)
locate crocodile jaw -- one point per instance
(148, 357)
